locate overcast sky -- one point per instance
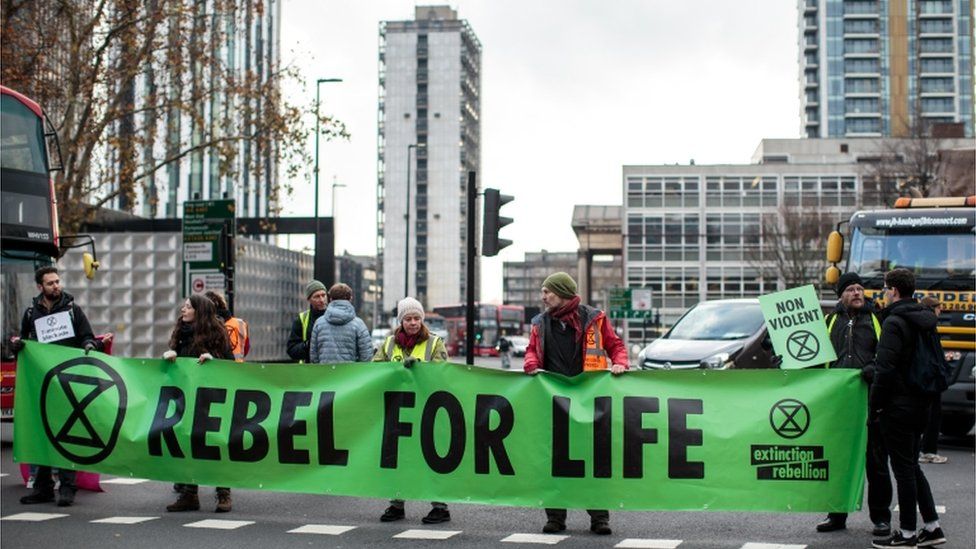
(571, 91)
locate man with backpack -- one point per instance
(854, 330)
(908, 376)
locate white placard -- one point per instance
(54, 327)
(198, 251)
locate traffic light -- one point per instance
(490, 243)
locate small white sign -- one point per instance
(201, 282)
(640, 300)
(198, 251)
(54, 327)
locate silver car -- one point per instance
(728, 333)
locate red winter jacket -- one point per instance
(590, 318)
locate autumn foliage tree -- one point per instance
(142, 90)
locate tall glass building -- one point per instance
(429, 139)
(887, 68)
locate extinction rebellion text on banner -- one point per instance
(644, 440)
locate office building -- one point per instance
(429, 139)
(885, 68)
(703, 232)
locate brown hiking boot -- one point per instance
(186, 502)
(223, 502)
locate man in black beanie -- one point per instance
(854, 331)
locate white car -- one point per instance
(519, 344)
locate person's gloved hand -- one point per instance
(204, 357)
(170, 355)
(409, 361)
(16, 345)
(89, 347)
(867, 374)
(776, 361)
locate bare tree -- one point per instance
(135, 88)
(792, 245)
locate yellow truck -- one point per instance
(936, 239)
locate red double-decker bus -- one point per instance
(491, 322)
(28, 219)
(485, 325)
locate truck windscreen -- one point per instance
(943, 254)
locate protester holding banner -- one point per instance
(410, 343)
(199, 334)
(64, 323)
(903, 409)
(237, 331)
(339, 335)
(301, 328)
(570, 338)
(854, 330)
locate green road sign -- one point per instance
(796, 327)
(204, 223)
(630, 303)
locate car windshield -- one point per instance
(718, 321)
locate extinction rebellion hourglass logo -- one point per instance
(789, 418)
(83, 403)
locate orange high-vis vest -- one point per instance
(596, 356)
(240, 339)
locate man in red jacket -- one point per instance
(570, 338)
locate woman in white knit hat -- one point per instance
(412, 342)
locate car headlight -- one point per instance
(718, 361)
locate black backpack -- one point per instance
(928, 373)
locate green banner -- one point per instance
(677, 440)
(797, 328)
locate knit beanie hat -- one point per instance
(313, 287)
(561, 284)
(846, 280)
(409, 305)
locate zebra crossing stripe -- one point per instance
(546, 539)
(326, 529)
(217, 524)
(427, 534)
(34, 517)
(636, 543)
(123, 520)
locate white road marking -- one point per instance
(636, 543)
(123, 520)
(327, 529)
(427, 534)
(34, 517)
(752, 545)
(940, 509)
(218, 524)
(4, 475)
(547, 539)
(124, 480)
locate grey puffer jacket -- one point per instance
(340, 336)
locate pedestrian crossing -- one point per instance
(409, 534)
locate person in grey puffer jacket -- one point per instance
(339, 335)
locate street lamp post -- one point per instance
(334, 186)
(406, 242)
(318, 88)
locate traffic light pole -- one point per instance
(472, 259)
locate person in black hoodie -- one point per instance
(200, 334)
(854, 331)
(54, 301)
(903, 412)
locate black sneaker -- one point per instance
(896, 540)
(830, 524)
(66, 498)
(393, 513)
(38, 497)
(930, 539)
(881, 529)
(600, 528)
(437, 515)
(553, 526)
